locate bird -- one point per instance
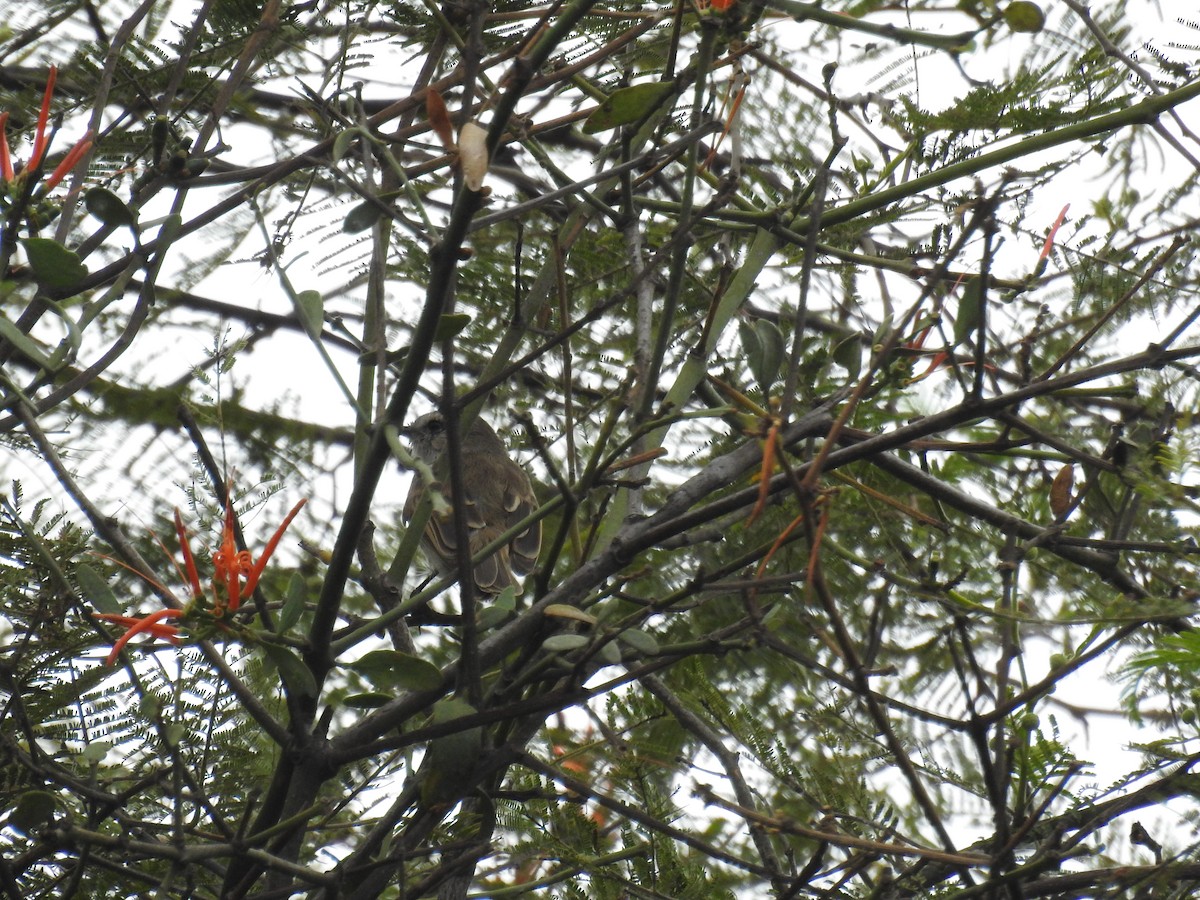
(498, 493)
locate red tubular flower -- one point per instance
(70, 161)
(41, 142)
(6, 165)
(151, 624)
(252, 580)
(39, 138)
(1049, 245)
(189, 561)
(230, 566)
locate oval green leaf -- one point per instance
(450, 324)
(491, 616)
(95, 590)
(561, 643)
(395, 669)
(639, 640)
(295, 674)
(109, 208)
(970, 310)
(33, 809)
(24, 344)
(53, 264)
(609, 654)
(751, 345)
(566, 611)
(415, 674)
(310, 307)
(506, 599)
(628, 105)
(293, 606)
(847, 353)
(1022, 15)
(362, 217)
(173, 734)
(770, 356)
(342, 142)
(96, 751)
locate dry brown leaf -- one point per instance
(439, 119)
(1060, 490)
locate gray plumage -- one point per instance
(498, 496)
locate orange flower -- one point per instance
(41, 144)
(70, 161)
(39, 138)
(189, 561)
(1049, 245)
(6, 164)
(229, 566)
(151, 624)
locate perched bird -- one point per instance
(498, 496)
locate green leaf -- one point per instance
(295, 674)
(174, 733)
(609, 653)
(95, 590)
(109, 208)
(395, 669)
(293, 606)
(881, 333)
(566, 611)
(628, 105)
(450, 324)
(375, 663)
(490, 616)
(450, 708)
(24, 344)
(310, 307)
(1022, 15)
(33, 809)
(970, 310)
(362, 217)
(506, 599)
(96, 751)
(450, 759)
(770, 340)
(53, 264)
(342, 142)
(639, 640)
(415, 674)
(847, 353)
(560, 643)
(149, 706)
(762, 342)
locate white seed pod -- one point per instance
(473, 154)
